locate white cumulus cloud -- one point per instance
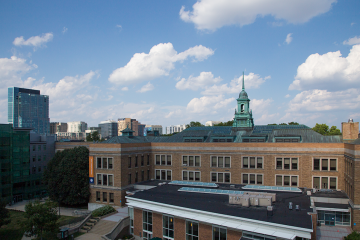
(214, 14)
(125, 89)
(352, 41)
(207, 103)
(35, 41)
(158, 62)
(288, 38)
(147, 87)
(251, 80)
(195, 83)
(329, 71)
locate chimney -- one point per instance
(350, 130)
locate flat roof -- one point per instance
(332, 205)
(219, 203)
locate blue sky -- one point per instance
(172, 62)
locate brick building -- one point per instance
(248, 154)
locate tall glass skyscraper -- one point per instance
(28, 109)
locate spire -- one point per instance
(243, 83)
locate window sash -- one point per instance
(111, 197)
(220, 162)
(279, 180)
(185, 160)
(191, 160)
(245, 179)
(104, 163)
(157, 159)
(286, 163)
(227, 162)
(213, 161)
(245, 162)
(104, 196)
(98, 162)
(197, 161)
(332, 164)
(168, 158)
(110, 179)
(259, 179)
(259, 162)
(99, 180)
(129, 162)
(110, 163)
(324, 164)
(279, 163)
(252, 162)
(316, 164)
(294, 163)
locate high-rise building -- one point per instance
(155, 128)
(108, 128)
(76, 127)
(58, 127)
(28, 109)
(175, 128)
(132, 124)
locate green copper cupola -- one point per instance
(243, 114)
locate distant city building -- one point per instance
(141, 128)
(155, 128)
(175, 128)
(28, 109)
(132, 124)
(71, 136)
(92, 130)
(108, 129)
(211, 123)
(58, 127)
(23, 159)
(76, 127)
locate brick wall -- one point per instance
(157, 225)
(179, 228)
(205, 231)
(350, 130)
(233, 235)
(138, 220)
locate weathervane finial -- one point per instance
(243, 83)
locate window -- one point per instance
(39, 157)
(34, 158)
(219, 233)
(252, 178)
(129, 162)
(44, 158)
(105, 179)
(111, 197)
(98, 196)
(44, 147)
(148, 160)
(286, 180)
(110, 163)
(142, 160)
(98, 176)
(325, 164)
(148, 174)
(131, 215)
(192, 230)
(136, 177)
(105, 163)
(142, 175)
(163, 160)
(220, 177)
(162, 174)
(39, 147)
(129, 178)
(104, 196)
(191, 176)
(252, 162)
(217, 161)
(287, 163)
(168, 227)
(147, 224)
(191, 161)
(39, 169)
(136, 161)
(341, 218)
(325, 182)
(250, 235)
(33, 148)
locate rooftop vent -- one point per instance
(351, 120)
(297, 207)
(290, 205)
(270, 211)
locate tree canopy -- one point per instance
(94, 136)
(67, 176)
(4, 214)
(194, 124)
(324, 129)
(40, 218)
(290, 123)
(228, 123)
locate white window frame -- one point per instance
(320, 164)
(290, 165)
(194, 172)
(256, 174)
(165, 159)
(290, 183)
(217, 161)
(131, 215)
(337, 181)
(191, 235)
(107, 163)
(152, 223)
(256, 158)
(217, 177)
(166, 237)
(166, 172)
(220, 227)
(188, 165)
(102, 180)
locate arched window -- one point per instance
(242, 107)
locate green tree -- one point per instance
(4, 214)
(353, 236)
(94, 136)
(228, 123)
(323, 129)
(67, 176)
(194, 124)
(40, 218)
(293, 123)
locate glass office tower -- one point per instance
(28, 109)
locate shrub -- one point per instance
(103, 211)
(352, 236)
